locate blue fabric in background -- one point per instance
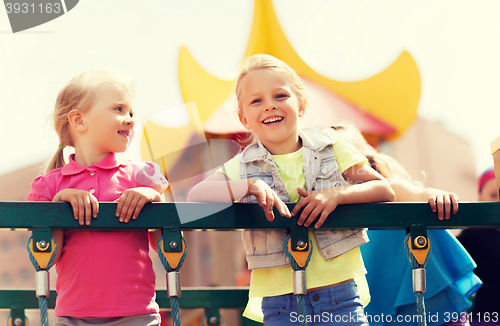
(450, 280)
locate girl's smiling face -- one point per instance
(270, 107)
(109, 121)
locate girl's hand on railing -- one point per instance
(83, 202)
(133, 200)
(315, 203)
(443, 204)
(267, 198)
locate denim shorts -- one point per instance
(330, 306)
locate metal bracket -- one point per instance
(299, 238)
(42, 239)
(172, 239)
(17, 317)
(419, 239)
(212, 316)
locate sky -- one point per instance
(454, 43)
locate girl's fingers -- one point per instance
(95, 205)
(125, 201)
(259, 192)
(298, 206)
(301, 203)
(120, 204)
(88, 209)
(269, 206)
(74, 204)
(330, 207)
(84, 204)
(432, 203)
(283, 209)
(261, 198)
(81, 210)
(305, 213)
(280, 205)
(316, 211)
(143, 201)
(302, 192)
(447, 205)
(131, 208)
(455, 203)
(269, 215)
(440, 208)
(322, 219)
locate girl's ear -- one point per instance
(244, 121)
(76, 121)
(302, 111)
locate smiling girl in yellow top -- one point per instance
(290, 164)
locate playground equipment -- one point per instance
(42, 216)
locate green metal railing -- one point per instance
(26, 215)
(40, 217)
(210, 299)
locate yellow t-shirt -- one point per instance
(275, 281)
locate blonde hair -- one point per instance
(265, 61)
(384, 164)
(79, 94)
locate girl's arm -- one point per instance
(368, 186)
(218, 188)
(441, 201)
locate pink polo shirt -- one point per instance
(103, 273)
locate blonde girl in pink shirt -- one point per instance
(104, 277)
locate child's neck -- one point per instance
(282, 149)
(89, 158)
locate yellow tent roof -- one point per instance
(390, 96)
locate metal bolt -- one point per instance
(213, 320)
(42, 245)
(420, 241)
(18, 322)
(301, 244)
(172, 245)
